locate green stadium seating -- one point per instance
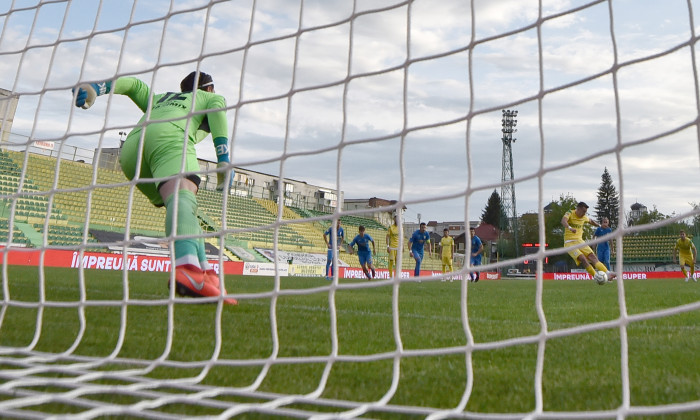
(17, 236)
(108, 207)
(648, 248)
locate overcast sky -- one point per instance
(404, 103)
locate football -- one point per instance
(601, 277)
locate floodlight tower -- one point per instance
(508, 124)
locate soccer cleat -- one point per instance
(686, 279)
(192, 282)
(611, 275)
(196, 283)
(213, 279)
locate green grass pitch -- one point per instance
(580, 372)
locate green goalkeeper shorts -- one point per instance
(162, 157)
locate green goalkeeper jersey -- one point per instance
(178, 108)
(172, 118)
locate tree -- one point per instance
(494, 214)
(608, 200)
(529, 228)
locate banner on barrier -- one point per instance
(148, 263)
(298, 270)
(265, 269)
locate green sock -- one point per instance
(186, 250)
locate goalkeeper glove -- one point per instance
(88, 92)
(223, 169)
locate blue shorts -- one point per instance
(365, 257)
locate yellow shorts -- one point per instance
(574, 253)
(446, 260)
(686, 259)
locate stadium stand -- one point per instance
(651, 248)
(74, 197)
(250, 221)
(18, 237)
(31, 204)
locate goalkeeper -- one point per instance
(174, 117)
(573, 222)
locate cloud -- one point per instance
(334, 99)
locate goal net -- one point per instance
(401, 100)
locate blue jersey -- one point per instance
(600, 232)
(418, 240)
(362, 243)
(340, 238)
(476, 244)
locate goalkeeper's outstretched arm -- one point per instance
(135, 89)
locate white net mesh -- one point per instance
(374, 98)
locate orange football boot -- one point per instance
(193, 282)
(213, 278)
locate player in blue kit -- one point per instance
(475, 258)
(362, 240)
(416, 246)
(333, 242)
(603, 249)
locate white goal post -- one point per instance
(376, 98)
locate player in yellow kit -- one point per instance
(686, 255)
(573, 222)
(392, 244)
(447, 246)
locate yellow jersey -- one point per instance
(393, 233)
(685, 246)
(447, 243)
(576, 223)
